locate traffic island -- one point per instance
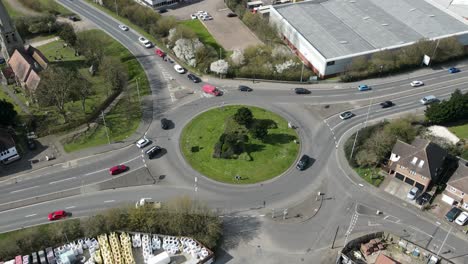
(239, 144)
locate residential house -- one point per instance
(456, 192)
(418, 164)
(383, 259)
(8, 151)
(26, 66)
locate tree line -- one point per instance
(179, 217)
(449, 111)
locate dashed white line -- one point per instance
(70, 207)
(94, 172)
(30, 215)
(67, 179)
(109, 201)
(25, 189)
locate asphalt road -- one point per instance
(321, 139)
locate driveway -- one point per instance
(229, 32)
(398, 188)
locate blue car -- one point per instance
(364, 87)
(453, 70)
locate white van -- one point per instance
(428, 99)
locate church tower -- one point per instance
(9, 37)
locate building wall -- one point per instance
(416, 177)
(463, 197)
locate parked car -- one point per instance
(413, 193)
(462, 219)
(148, 45)
(143, 142)
(452, 214)
(301, 91)
(56, 215)
(153, 151)
(244, 88)
(193, 78)
(416, 83)
(117, 169)
(123, 27)
(429, 100)
(143, 40)
(364, 87)
(453, 70)
(231, 14)
(73, 18)
(31, 144)
(205, 18)
(302, 163)
(165, 123)
(386, 104)
(423, 199)
(193, 16)
(160, 53)
(179, 69)
(161, 11)
(210, 89)
(346, 115)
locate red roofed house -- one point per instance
(456, 191)
(382, 259)
(26, 66)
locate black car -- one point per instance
(386, 104)
(31, 144)
(302, 163)
(231, 14)
(73, 18)
(423, 199)
(301, 91)
(165, 123)
(153, 151)
(452, 214)
(193, 78)
(162, 11)
(244, 88)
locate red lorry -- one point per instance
(210, 89)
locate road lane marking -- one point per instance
(30, 215)
(109, 201)
(91, 173)
(67, 179)
(70, 207)
(25, 189)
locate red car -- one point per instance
(57, 215)
(117, 169)
(160, 53)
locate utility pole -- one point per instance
(105, 126)
(354, 144)
(138, 90)
(302, 71)
(285, 213)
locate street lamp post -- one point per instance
(302, 71)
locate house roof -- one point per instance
(459, 179)
(382, 259)
(422, 156)
(38, 56)
(33, 80)
(339, 28)
(6, 140)
(21, 65)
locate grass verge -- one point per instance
(370, 175)
(202, 33)
(460, 131)
(12, 12)
(270, 158)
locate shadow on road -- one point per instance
(239, 229)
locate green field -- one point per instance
(202, 33)
(370, 175)
(460, 131)
(269, 158)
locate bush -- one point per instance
(452, 110)
(31, 26)
(243, 116)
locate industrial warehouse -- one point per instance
(327, 35)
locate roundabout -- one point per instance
(256, 160)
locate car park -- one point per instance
(244, 88)
(453, 70)
(117, 169)
(462, 219)
(413, 192)
(179, 69)
(386, 104)
(416, 83)
(423, 199)
(143, 142)
(165, 123)
(123, 27)
(193, 78)
(346, 115)
(364, 87)
(56, 215)
(302, 163)
(429, 100)
(452, 214)
(153, 151)
(301, 91)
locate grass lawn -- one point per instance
(201, 31)
(53, 5)
(269, 159)
(4, 95)
(460, 131)
(14, 13)
(367, 173)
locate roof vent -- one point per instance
(344, 42)
(412, 9)
(414, 161)
(384, 24)
(431, 15)
(365, 18)
(421, 163)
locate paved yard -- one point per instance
(399, 189)
(229, 32)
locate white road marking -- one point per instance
(67, 179)
(30, 215)
(25, 189)
(109, 201)
(70, 207)
(94, 172)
